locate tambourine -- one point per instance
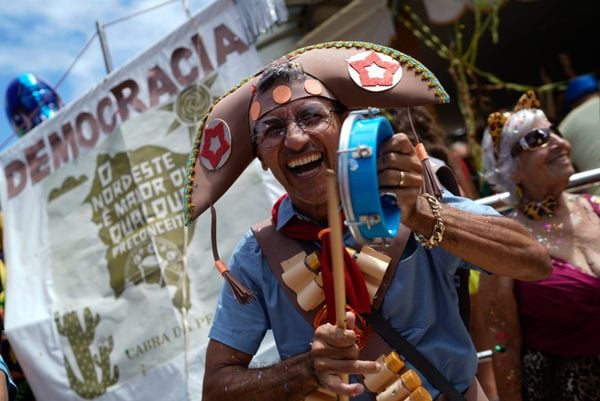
(370, 215)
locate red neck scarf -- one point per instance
(357, 295)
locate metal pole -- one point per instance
(186, 7)
(104, 45)
(577, 180)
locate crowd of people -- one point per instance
(539, 286)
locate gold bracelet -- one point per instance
(438, 228)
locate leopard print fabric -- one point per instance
(528, 100)
(496, 122)
(548, 377)
(538, 210)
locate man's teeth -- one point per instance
(304, 160)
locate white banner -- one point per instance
(103, 302)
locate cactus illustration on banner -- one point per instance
(81, 339)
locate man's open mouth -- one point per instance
(305, 164)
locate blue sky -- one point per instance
(44, 38)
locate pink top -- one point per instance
(561, 314)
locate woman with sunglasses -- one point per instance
(546, 331)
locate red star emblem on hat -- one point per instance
(216, 144)
(374, 71)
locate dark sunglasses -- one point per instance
(534, 139)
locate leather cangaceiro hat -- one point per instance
(357, 74)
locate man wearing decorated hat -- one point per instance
(289, 115)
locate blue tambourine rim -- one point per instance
(359, 189)
(343, 181)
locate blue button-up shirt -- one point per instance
(421, 303)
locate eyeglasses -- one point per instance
(534, 139)
(311, 119)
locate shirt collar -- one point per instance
(287, 211)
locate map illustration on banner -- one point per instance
(137, 207)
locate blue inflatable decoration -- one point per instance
(29, 101)
(370, 215)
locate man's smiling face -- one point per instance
(299, 160)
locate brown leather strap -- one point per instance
(277, 248)
(395, 252)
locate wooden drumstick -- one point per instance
(337, 257)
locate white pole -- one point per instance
(104, 45)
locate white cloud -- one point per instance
(44, 38)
